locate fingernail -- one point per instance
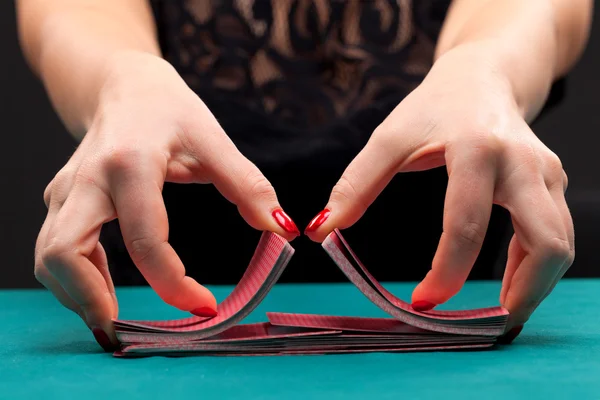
(102, 339)
(285, 221)
(511, 335)
(317, 221)
(422, 305)
(204, 312)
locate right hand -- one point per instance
(148, 128)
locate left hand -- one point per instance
(465, 116)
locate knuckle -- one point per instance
(141, 248)
(124, 158)
(524, 162)
(482, 125)
(565, 180)
(86, 177)
(485, 146)
(57, 253)
(468, 233)
(570, 258)
(344, 190)
(488, 147)
(256, 186)
(555, 174)
(523, 149)
(41, 273)
(558, 248)
(390, 141)
(60, 186)
(553, 163)
(48, 193)
(477, 149)
(62, 178)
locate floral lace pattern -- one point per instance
(304, 63)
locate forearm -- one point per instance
(531, 42)
(70, 43)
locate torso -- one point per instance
(307, 75)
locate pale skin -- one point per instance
(140, 126)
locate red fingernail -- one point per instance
(102, 339)
(511, 335)
(422, 305)
(285, 221)
(317, 221)
(204, 312)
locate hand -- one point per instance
(464, 116)
(149, 128)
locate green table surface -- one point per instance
(47, 352)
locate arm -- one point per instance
(140, 126)
(495, 63)
(69, 43)
(533, 42)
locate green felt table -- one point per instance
(48, 353)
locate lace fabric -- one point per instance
(296, 71)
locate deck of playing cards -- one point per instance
(286, 334)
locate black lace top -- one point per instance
(300, 76)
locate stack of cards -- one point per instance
(408, 330)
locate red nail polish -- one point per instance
(511, 335)
(422, 305)
(317, 221)
(285, 221)
(102, 339)
(204, 312)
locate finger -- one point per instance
(516, 254)
(467, 210)
(44, 276)
(360, 184)
(136, 191)
(565, 267)
(40, 271)
(72, 244)
(541, 233)
(557, 191)
(58, 189)
(48, 194)
(100, 261)
(242, 183)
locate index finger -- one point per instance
(74, 257)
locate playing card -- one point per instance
(487, 321)
(270, 258)
(295, 334)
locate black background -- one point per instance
(35, 145)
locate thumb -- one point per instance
(362, 181)
(242, 183)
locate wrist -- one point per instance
(119, 76)
(528, 77)
(76, 91)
